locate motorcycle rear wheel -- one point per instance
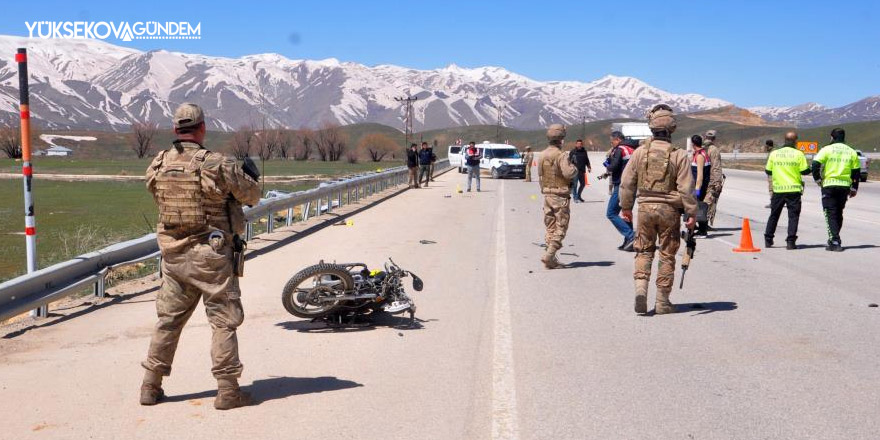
(302, 295)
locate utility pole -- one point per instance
(408, 117)
(500, 109)
(584, 127)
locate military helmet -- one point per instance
(711, 134)
(661, 118)
(556, 132)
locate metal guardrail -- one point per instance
(37, 289)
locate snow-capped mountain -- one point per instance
(89, 84)
(812, 114)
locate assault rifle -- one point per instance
(691, 246)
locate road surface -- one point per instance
(778, 344)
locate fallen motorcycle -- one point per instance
(340, 293)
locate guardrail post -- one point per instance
(305, 211)
(289, 217)
(270, 223)
(248, 231)
(329, 203)
(100, 292)
(41, 312)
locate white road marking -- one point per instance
(504, 417)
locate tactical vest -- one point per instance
(552, 180)
(655, 173)
(180, 196)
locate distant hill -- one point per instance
(862, 135)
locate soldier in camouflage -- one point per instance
(716, 174)
(555, 172)
(659, 175)
(528, 157)
(200, 195)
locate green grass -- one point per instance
(137, 167)
(77, 217)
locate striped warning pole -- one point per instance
(27, 171)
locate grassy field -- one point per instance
(137, 167)
(76, 217)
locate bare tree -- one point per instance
(330, 142)
(10, 142)
(377, 146)
(352, 155)
(285, 143)
(242, 141)
(304, 140)
(142, 134)
(267, 144)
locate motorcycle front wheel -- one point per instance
(308, 294)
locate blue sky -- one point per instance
(747, 52)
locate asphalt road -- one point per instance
(778, 344)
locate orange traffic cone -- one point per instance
(745, 241)
(587, 179)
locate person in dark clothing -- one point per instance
(425, 160)
(581, 160)
(412, 162)
(620, 154)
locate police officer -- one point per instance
(528, 157)
(836, 169)
(716, 174)
(555, 172)
(785, 166)
(200, 195)
(659, 175)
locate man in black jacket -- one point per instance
(412, 162)
(425, 161)
(581, 160)
(620, 154)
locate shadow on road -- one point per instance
(718, 235)
(360, 324)
(580, 264)
(274, 388)
(706, 308)
(861, 246)
(86, 307)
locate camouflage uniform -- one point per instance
(528, 157)
(659, 175)
(197, 259)
(716, 178)
(555, 172)
(200, 195)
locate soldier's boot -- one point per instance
(151, 388)
(662, 306)
(230, 396)
(641, 296)
(549, 258)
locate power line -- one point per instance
(408, 116)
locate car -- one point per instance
(502, 160)
(456, 159)
(863, 161)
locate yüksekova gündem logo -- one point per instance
(123, 30)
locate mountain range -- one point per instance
(90, 84)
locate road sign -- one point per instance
(808, 147)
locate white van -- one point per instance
(502, 160)
(454, 154)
